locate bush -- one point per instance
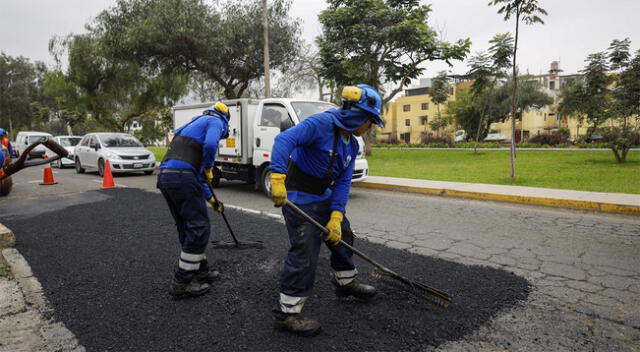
(556, 137)
(442, 141)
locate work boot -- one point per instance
(192, 288)
(356, 289)
(296, 323)
(206, 277)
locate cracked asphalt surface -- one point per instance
(584, 266)
(106, 261)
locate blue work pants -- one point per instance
(299, 269)
(185, 198)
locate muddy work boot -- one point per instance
(206, 277)
(356, 289)
(296, 323)
(192, 288)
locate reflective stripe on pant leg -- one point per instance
(189, 261)
(291, 304)
(344, 277)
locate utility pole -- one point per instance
(265, 23)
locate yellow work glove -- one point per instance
(335, 228)
(278, 190)
(216, 204)
(208, 174)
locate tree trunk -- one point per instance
(512, 154)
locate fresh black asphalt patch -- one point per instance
(105, 267)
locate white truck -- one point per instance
(245, 155)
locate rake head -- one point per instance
(434, 295)
(239, 245)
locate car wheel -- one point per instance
(5, 186)
(79, 168)
(266, 181)
(101, 167)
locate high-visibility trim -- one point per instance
(344, 277)
(188, 266)
(191, 257)
(291, 304)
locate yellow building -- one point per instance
(407, 118)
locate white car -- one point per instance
(26, 138)
(495, 137)
(124, 152)
(69, 143)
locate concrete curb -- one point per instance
(548, 202)
(28, 324)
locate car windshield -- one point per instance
(70, 141)
(119, 140)
(305, 109)
(33, 139)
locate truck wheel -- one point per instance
(266, 181)
(216, 177)
(5, 186)
(79, 168)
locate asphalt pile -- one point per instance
(105, 266)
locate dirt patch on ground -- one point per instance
(105, 267)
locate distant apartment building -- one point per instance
(407, 118)
(547, 119)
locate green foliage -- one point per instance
(620, 140)
(526, 10)
(439, 90)
(225, 44)
(20, 86)
(380, 41)
(5, 270)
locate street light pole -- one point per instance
(265, 23)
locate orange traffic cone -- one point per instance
(107, 179)
(48, 177)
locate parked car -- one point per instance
(69, 143)
(460, 136)
(495, 137)
(25, 138)
(124, 152)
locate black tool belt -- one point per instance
(298, 180)
(185, 149)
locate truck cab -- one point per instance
(246, 154)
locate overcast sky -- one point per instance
(573, 28)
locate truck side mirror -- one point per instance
(285, 125)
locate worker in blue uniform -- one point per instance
(312, 166)
(6, 143)
(185, 172)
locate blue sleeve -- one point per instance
(304, 133)
(342, 186)
(1, 159)
(206, 191)
(11, 155)
(211, 139)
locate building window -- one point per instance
(407, 122)
(406, 107)
(405, 137)
(424, 120)
(552, 85)
(425, 106)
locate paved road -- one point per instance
(585, 266)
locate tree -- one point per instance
(380, 42)
(529, 12)
(439, 90)
(486, 70)
(112, 90)
(225, 45)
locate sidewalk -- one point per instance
(619, 203)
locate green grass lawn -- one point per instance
(159, 152)
(584, 171)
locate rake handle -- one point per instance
(224, 217)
